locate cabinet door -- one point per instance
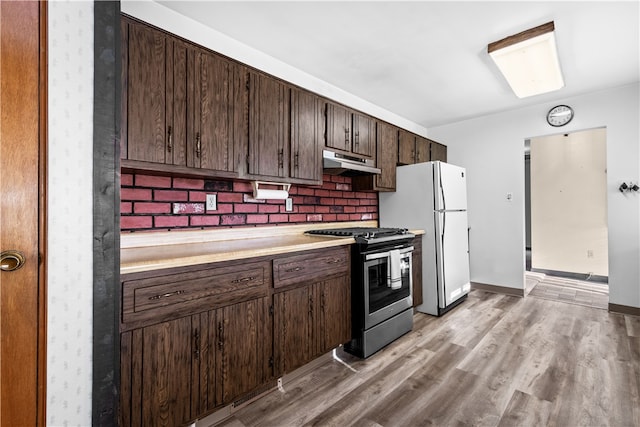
(364, 135)
(387, 157)
(176, 97)
(156, 372)
(292, 329)
(145, 61)
(438, 152)
(335, 309)
(422, 150)
(406, 148)
(244, 355)
(338, 127)
(268, 127)
(215, 78)
(307, 136)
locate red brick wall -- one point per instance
(164, 203)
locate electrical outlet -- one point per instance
(589, 253)
(288, 204)
(509, 197)
(212, 202)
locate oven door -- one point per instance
(383, 297)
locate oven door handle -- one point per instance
(386, 254)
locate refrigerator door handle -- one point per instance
(442, 219)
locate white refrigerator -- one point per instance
(432, 196)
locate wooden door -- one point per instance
(213, 112)
(338, 127)
(177, 87)
(364, 135)
(268, 127)
(22, 210)
(438, 152)
(160, 359)
(406, 148)
(292, 329)
(307, 126)
(244, 359)
(335, 306)
(387, 157)
(422, 150)
(144, 57)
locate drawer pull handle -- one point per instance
(334, 261)
(291, 270)
(244, 279)
(167, 295)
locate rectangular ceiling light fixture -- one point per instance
(529, 61)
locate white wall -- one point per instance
(490, 148)
(70, 219)
(162, 17)
(569, 202)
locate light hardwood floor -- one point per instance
(496, 360)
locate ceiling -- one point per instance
(426, 61)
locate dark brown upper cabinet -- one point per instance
(148, 101)
(269, 148)
(286, 127)
(423, 150)
(215, 109)
(438, 151)
(307, 136)
(412, 148)
(387, 157)
(364, 136)
(182, 106)
(406, 148)
(350, 132)
(187, 111)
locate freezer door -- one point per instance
(452, 255)
(451, 186)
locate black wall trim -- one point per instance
(106, 213)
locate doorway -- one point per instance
(566, 216)
(22, 211)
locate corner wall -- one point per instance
(491, 148)
(70, 214)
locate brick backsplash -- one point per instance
(150, 202)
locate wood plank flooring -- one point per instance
(496, 360)
(572, 291)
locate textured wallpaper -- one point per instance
(70, 213)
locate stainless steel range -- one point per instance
(381, 286)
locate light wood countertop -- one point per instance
(158, 250)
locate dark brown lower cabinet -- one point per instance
(156, 367)
(334, 325)
(243, 354)
(292, 317)
(176, 371)
(195, 339)
(309, 321)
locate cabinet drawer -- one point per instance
(162, 297)
(314, 265)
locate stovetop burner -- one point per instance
(365, 234)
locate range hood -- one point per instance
(342, 164)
